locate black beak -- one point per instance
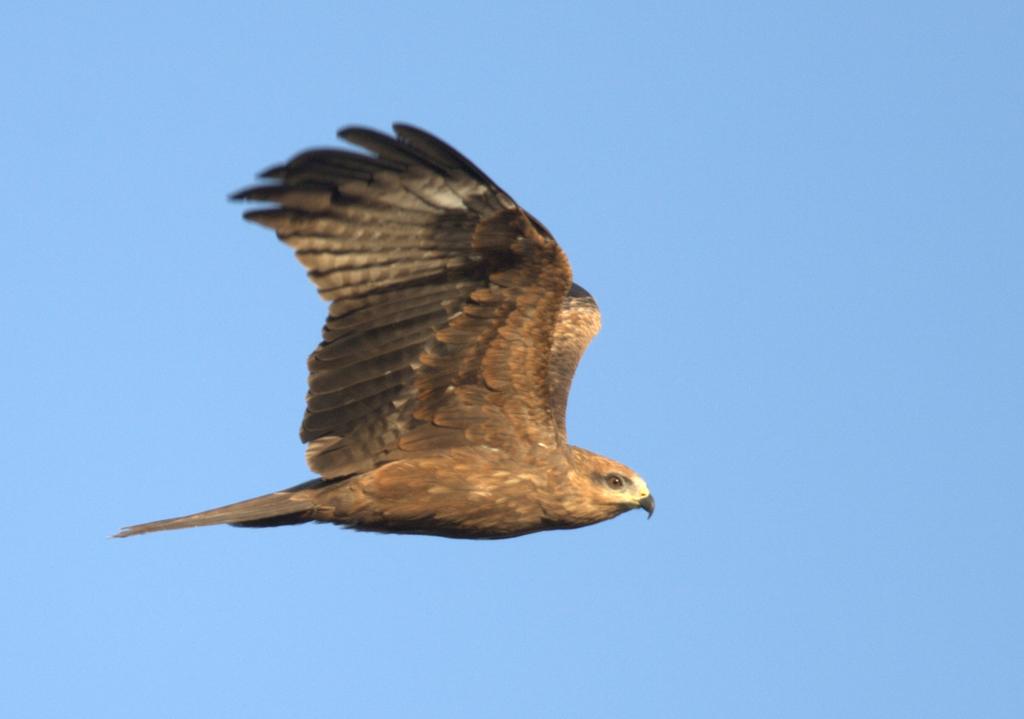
(648, 504)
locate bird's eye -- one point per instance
(615, 481)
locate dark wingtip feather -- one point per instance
(273, 217)
(440, 151)
(410, 146)
(343, 132)
(390, 148)
(273, 172)
(244, 194)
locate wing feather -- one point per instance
(578, 323)
(446, 300)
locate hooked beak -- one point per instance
(648, 504)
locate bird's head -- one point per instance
(610, 484)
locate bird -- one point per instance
(437, 397)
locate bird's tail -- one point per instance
(289, 506)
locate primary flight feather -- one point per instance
(437, 396)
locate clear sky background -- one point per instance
(803, 223)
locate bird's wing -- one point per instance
(445, 301)
(578, 321)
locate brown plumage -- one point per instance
(437, 397)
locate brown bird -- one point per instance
(437, 397)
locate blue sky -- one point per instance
(803, 224)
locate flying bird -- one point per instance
(437, 397)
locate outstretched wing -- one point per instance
(445, 301)
(578, 321)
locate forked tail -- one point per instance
(289, 506)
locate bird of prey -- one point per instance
(437, 397)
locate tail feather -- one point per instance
(290, 506)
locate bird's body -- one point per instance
(437, 396)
